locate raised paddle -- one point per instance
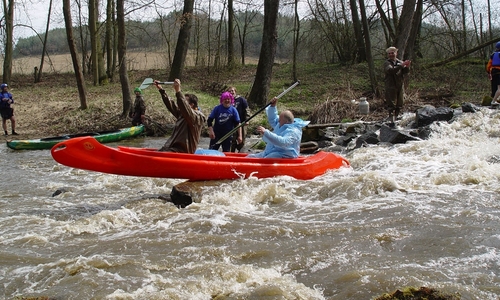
(149, 81)
(222, 139)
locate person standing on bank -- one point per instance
(395, 70)
(284, 140)
(493, 69)
(138, 112)
(187, 130)
(226, 118)
(241, 105)
(6, 110)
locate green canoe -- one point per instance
(102, 136)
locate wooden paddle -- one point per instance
(149, 81)
(222, 139)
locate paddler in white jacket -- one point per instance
(284, 140)
(190, 120)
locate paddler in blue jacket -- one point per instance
(493, 69)
(284, 140)
(6, 110)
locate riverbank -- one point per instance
(51, 107)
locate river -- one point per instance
(423, 213)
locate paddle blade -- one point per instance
(146, 83)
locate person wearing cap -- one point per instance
(189, 120)
(6, 110)
(138, 111)
(493, 69)
(226, 118)
(395, 70)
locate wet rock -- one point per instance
(423, 293)
(59, 191)
(395, 136)
(183, 193)
(468, 107)
(429, 114)
(366, 139)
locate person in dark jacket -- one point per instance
(493, 69)
(190, 120)
(395, 70)
(241, 105)
(6, 110)
(138, 112)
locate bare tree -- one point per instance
(122, 57)
(93, 39)
(337, 29)
(368, 51)
(262, 82)
(245, 29)
(80, 82)
(82, 39)
(182, 46)
(8, 8)
(230, 34)
(110, 39)
(38, 76)
(296, 35)
(358, 32)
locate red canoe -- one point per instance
(88, 154)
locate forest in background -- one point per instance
(333, 31)
(321, 40)
(326, 36)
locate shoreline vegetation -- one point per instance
(326, 91)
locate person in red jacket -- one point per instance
(493, 69)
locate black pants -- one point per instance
(495, 82)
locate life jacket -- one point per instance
(4, 104)
(495, 59)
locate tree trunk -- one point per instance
(296, 34)
(8, 9)
(109, 41)
(460, 55)
(230, 34)
(93, 40)
(182, 46)
(403, 28)
(83, 49)
(260, 88)
(412, 44)
(358, 32)
(80, 81)
(122, 57)
(368, 51)
(44, 46)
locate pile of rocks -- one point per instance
(345, 137)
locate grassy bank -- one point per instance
(51, 107)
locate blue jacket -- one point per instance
(5, 95)
(284, 141)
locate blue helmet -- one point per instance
(2, 86)
(497, 45)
